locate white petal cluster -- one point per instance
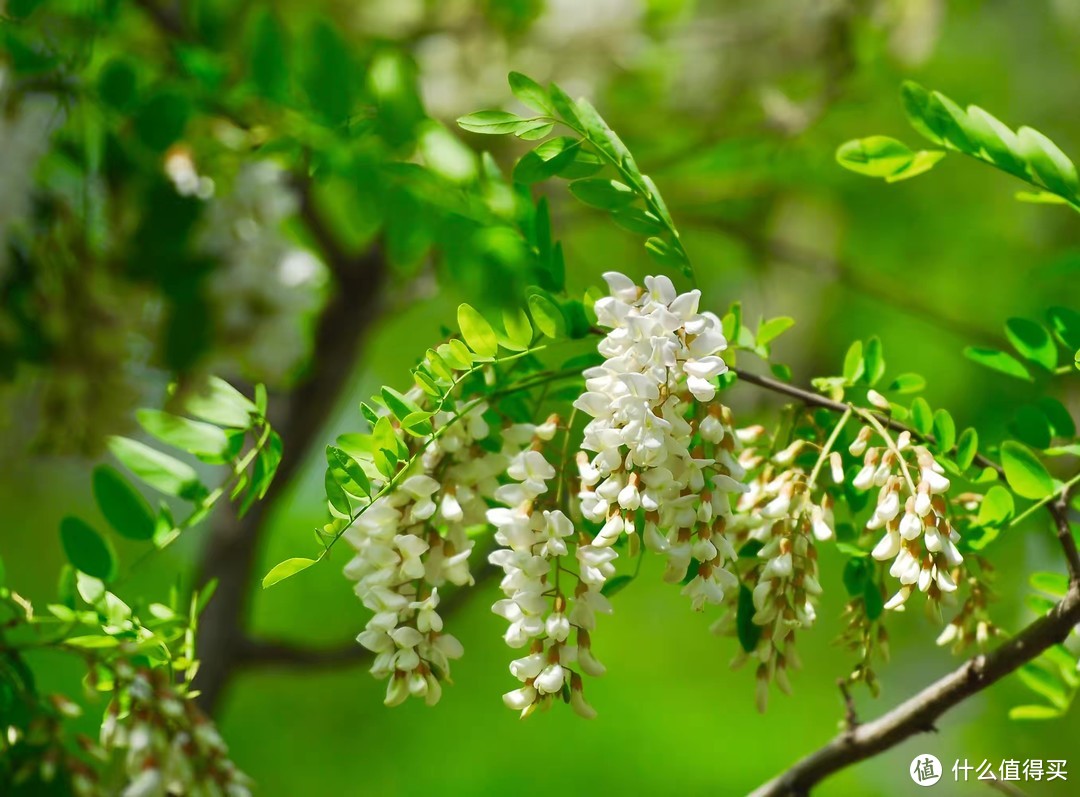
(645, 449)
(264, 284)
(910, 509)
(414, 540)
(778, 514)
(168, 745)
(541, 609)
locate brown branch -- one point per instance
(1060, 511)
(851, 717)
(920, 712)
(232, 547)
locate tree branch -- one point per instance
(817, 400)
(232, 546)
(920, 712)
(1060, 511)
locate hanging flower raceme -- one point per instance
(911, 510)
(413, 540)
(168, 745)
(652, 449)
(780, 518)
(552, 579)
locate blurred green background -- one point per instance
(735, 109)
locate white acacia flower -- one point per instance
(411, 542)
(640, 451)
(918, 539)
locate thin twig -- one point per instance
(817, 400)
(851, 718)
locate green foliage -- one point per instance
(1026, 475)
(1026, 153)
(880, 156)
(632, 199)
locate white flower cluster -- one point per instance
(779, 514)
(25, 128)
(661, 360)
(169, 746)
(412, 541)
(539, 605)
(264, 284)
(911, 509)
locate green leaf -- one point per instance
(1052, 167)
(1040, 198)
(922, 418)
(347, 472)
(875, 603)
(1032, 341)
(565, 106)
(163, 119)
(854, 366)
(117, 84)
(748, 631)
(603, 194)
(873, 361)
(908, 383)
(269, 66)
(398, 404)
(493, 123)
(998, 361)
(92, 641)
(1033, 712)
(124, 508)
(531, 93)
(916, 102)
(1061, 422)
(1055, 584)
(772, 329)
(616, 584)
(998, 143)
(1066, 326)
(1039, 680)
(561, 156)
(923, 161)
(220, 403)
(195, 437)
(856, 573)
(1024, 472)
(881, 156)
(1031, 426)
(519, 331)
(286, 569)
(546, 315)
(477, 331)
(335, 496)
(87, 550)
(944, 430)
(967, 445)
(162, 472)
(638, 221)
(997, 507)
